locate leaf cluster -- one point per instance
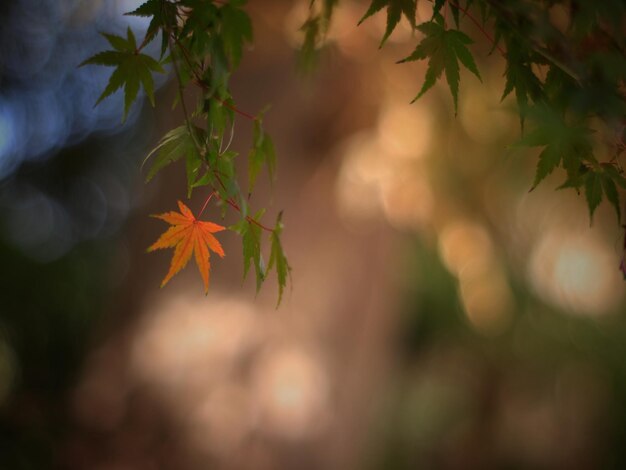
(568, 77)
(443, 48)
(568, 82)
(202, 41)
(395, 10)
(132, 69)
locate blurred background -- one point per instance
(441, 315)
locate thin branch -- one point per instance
(251, 220)
(230, 202)
(182, 98)
(238, 111)
(198, 80)
(206, 203)
(235, 206)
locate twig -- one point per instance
(206, 203)
(235, 206)
(230, 202)
(198, 80)
(182, 98)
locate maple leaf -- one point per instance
(443, 48)
(173, 146)
(176, 144)
(132, 69)
(599, 181)
(395, 10)
(236, 29)
(188, 235)
(251, 237)
(439, 4)
(262, 153)
(163, 16)
(566, 144)
(315, 30)
(278, 258)
(521, 78)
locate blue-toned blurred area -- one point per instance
(68, 173)
(47, 113)
(441, 315)
(47, 102)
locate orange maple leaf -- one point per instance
(188, 235)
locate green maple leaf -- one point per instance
(198, 32)
(612, 177)
(219, 116)
(558, 89)
(309, 52)
(278, 258)
(608, 185)
(236, 30)
(521, 78)
(170, 148)
(163, 15)
(223, 164)
(133, 69)
(219, 31)
(564, 144)
(176, 144)
(314, 30)
(615, 174)
(251, 240)
(596, 180)
(438, 5)
(261, 153)
(395, 10)
(443, 48)
(593, 191)
(549, 160)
